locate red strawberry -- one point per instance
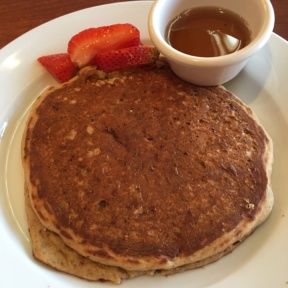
(126, 57)
(59, 65)
(85, 45)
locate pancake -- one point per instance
(142, 171)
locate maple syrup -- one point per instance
(208, 32)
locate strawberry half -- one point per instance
(59, 65)
(83, 46)
(126, 57)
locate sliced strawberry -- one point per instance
(59, 65)
(126, 57)
(85, 45)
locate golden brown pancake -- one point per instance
(143, 171)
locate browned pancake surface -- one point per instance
(143, 170)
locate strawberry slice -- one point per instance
(59, 65)
(126, 57)
(83, 46)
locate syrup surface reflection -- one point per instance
(223, 43)
(208, 32)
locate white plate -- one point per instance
(261, 261)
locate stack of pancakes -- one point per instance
(137, 171)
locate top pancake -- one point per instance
(144, 171)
